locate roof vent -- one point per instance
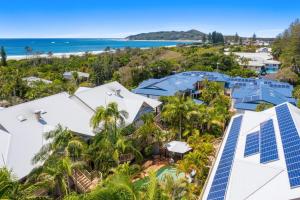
(21, 118)
(118, 93)
(41, 111)
(37, 114)
(109, 93)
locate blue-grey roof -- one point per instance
(260, 94)
(184, 81)
(197, 101)
(284, 88)
(166, 86)
(244, 90)
(245, 106)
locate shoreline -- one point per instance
(55, 55)
(166, 40)
(68, 54)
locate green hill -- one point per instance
(168, 35)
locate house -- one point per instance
(264, 50)
(250, 98)
(185, 82)
(70, 75)
(22, 126)
(136, 105)
(257, 61)
(246, 93)
(32, 79)
(259, 157)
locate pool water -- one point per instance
(161, 174)
(168, 170)
(271, 71)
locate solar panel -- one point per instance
(291, 144)
(252, 144)
(221, 178)
(268, 146)
(255, 97)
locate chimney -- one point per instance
(118, 93)
(37, 114)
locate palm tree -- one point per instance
(76, 78)
(109, 117)
(196, 119)
(63, 144)
(149, 132)
(107, 147)
(151, 190)
(173, 188)
(117, 186)
(198, 161)
(175, 111)
(60, 156)
(11, 188)
(109, 143)
(219, 111)
(55, 173)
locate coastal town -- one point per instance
(154, 115)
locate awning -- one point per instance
(178, 147)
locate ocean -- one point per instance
(16, 47)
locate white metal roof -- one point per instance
(32, 79)
(250, 179)
(80, 74)
(115, 92)
(257, 59)
(26, 132)
(178, 147)
(21, 134)
(4, 146)
(81, 89)
(254, 56)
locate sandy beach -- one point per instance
(56, 55)
(66, 55)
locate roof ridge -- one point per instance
(35, 100)
(259, 188)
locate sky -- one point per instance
(120, 18)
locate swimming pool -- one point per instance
(271, 71)
(161, 174)
(168, 170)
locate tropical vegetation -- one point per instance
(118, 151)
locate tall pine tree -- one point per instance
(236, 38)
(3, 56)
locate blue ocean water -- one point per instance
(15, 47)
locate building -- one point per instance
(136, 105)
(246, 93)
(185, 82)
(22, 126)
(81, 75)
(264, 50)
(32, 79)
(259, 157)
(258, 61)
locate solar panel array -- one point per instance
(252, 144)
(248, 99)
(291, 144)
(279, 86)
(221, 178)
(268, 146)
